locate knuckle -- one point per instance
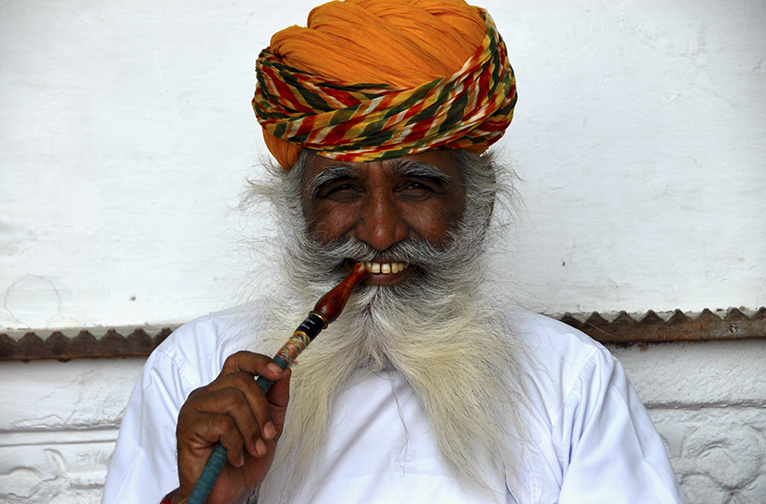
(242, 380)
(195, 394)
(220, 424)
(231, 363)
(230, 399)
(232, 441)
(234, 357)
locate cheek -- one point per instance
(430, 220)
(327, 222)
(433, 222)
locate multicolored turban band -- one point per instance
(469, 109)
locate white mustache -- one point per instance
(409, 251)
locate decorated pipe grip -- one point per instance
(327, 309)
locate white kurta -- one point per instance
(591, 438)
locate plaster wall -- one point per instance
(126, 134)
(707, 399)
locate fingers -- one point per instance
(255, 364)
(237, 373)
(234, 411)
(245, 413)
(223, 430)
(278, 396)
(235, 407)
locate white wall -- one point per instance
(126, 133)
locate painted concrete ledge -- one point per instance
(652, 327)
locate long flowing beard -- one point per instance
(435, 328)
(457, 355)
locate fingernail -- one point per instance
(269, 431)
(274, 367)
(260, 447)
(241, 459)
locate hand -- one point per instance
(233, 411)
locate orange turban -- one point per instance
(373, 79)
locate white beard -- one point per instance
(435, 328)
(461, 366)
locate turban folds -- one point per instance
(378, 79)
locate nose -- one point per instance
(380, 223)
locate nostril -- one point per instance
(381, 230)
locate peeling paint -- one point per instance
(32, 301)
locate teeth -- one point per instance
(385, 268)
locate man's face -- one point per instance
(420, 196)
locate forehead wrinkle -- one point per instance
(329, 175)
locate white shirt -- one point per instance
(592, 440)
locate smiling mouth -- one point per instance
(385, 268)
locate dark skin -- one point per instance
(234, 411)
(379, 202)
(384, 202)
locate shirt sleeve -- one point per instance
(144, 466)
(615, 453)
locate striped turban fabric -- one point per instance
(379, 79)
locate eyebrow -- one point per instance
(405, 168)
(423, 170)
(328, 176)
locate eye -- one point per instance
(415, 190)
(343, 192)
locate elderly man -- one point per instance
(426, 389)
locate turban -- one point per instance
(378, 79)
